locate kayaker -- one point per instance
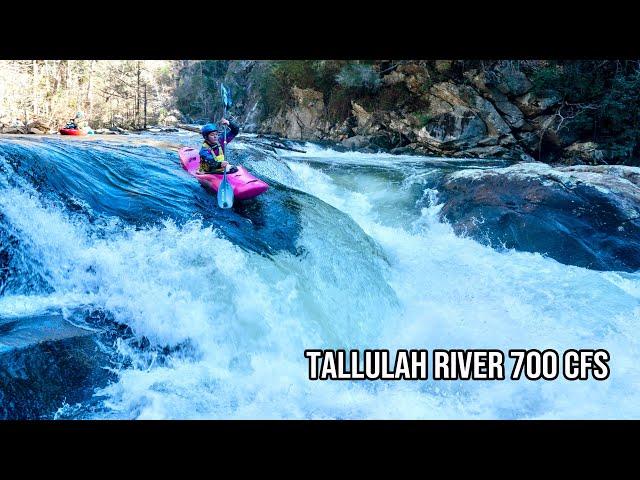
(76, 122)
(212, 150)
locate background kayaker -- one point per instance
(212, 150)
(77, 122)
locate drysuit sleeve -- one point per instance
(234, 129)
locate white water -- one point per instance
(249, 332)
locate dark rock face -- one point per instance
(435, 107)
(45, 362)
(587, 216)
(493, 107)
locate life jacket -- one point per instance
(204, 166)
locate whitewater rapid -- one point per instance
(372, 267)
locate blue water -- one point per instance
(344, 251)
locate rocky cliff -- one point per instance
(460, 109)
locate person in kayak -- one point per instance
(76, 122)
(212, 150)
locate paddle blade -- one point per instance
(225, 194)
(226, 96)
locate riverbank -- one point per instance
(573, 112)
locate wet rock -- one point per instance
(406, 150)
(356, 142)
(45, 362)
(495, 151)
(367, 150)
(587, 216)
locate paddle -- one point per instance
(225, 191)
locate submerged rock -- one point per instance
(581, 215)
(46, 362)
(356, 142)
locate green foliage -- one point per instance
(358, 75)
(576, 81)
(605, 99)
(276, 82)
(422, 118)
(197, 92)
(386, 99)
(619, 115)
(339, 105)
(295, 72)
(272, 91)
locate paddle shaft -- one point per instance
(223, 185)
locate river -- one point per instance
(206, 313)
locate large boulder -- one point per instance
(510, 80)
(169, 120)
(495, 151)
(464, 95)
(38, 127)
(454, 128)
(11, 129)
(364, 119)
(534, 104)
(460, 119)
(11, 125)
(585, 152)
(45, 362)
(355, 143)
(511, 114)
(587, 216)
(304, 120)
(503, 78)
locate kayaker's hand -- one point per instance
(224, 164)
(224, 121)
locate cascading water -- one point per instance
(208, 311)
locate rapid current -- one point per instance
(205, 313)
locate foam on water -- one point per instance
(246, 318)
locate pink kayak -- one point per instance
(243, 183)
